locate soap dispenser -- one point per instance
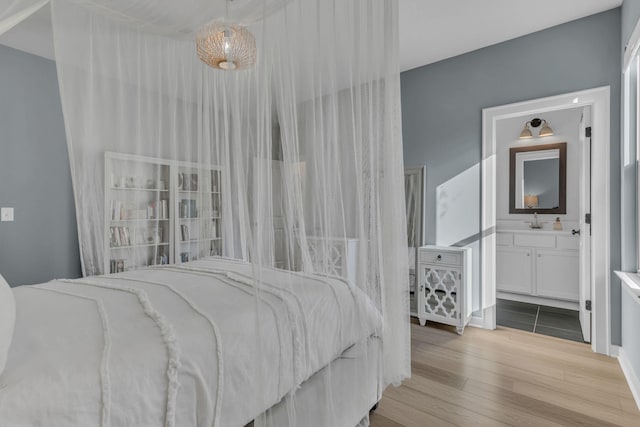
(557, 225)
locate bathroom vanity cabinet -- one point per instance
(538, 264)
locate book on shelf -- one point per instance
(184, 232)
(117, 210)
(121, 211)
(188, 208)
(158, 209)
(117, 265)
(164, 211)
(161, 259)
(119, 236)
(214, 228)
(194, 182)
(123, 236)
(214, 182)
(187, 181)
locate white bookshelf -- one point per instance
(150, 208)
(198, 225)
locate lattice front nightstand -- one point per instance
(444, 293)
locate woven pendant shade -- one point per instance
(226, 47)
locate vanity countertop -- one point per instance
(535, 231)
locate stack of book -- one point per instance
(119, 236)
(161, 260)
(116, 266)
(158, 209)
(118, 211)
(188, 208)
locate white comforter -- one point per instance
(174, 346)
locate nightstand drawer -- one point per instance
(444, 291)
(437, 257)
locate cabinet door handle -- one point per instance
(528, 254)
(439, 257)
(574, 232)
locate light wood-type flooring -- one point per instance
(506, 377)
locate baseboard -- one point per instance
(549, 302)
(614, 350)
(629, 374)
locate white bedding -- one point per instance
(174, 345)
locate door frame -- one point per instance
(599, 101)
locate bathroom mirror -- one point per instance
(538, 179)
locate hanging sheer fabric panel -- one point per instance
(289, 170)
(13, 12)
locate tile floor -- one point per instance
(540, 319)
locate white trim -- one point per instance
(486, 321)
(615, 350)
(630, 375)
(631, 48)
(631, 284)
(599, 100)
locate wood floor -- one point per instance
(506, 377)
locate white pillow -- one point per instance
(7, 320)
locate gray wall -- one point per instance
(42, 243)
(630, 15)
(442, 103)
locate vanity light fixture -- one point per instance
(526, 132)
(535, 122)
(546, 130)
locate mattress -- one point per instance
(339, 395)
(195, 344)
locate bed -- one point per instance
(192, 345)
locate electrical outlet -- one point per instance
(6, 214)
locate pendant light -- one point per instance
(226, 46)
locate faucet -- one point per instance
(535, 223)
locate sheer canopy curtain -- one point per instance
(13, 12)
(307, 142)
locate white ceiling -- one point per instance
(430, 30)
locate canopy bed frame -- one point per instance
(237, 174)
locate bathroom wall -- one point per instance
(566, 126)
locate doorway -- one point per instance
(539, 202)
(593, 229)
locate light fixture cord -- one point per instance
(227, 31)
